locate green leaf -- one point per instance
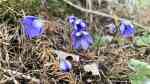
(143, 40)
(136, 79)
(141, 69)
(101, 40)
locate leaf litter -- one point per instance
(37, 61)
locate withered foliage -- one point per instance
(24, 61)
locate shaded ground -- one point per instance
(26, 62)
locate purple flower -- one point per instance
(111, 28)
(127, 29)
(71, 19)
(80, 25)
(32, 26)
(77, 24)
(65, 66)
(81, 40)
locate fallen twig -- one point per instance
(18, 74)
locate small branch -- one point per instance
(103, 14)
(18, 74)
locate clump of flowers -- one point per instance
(32, 26)
(81, 38)
(127, 29)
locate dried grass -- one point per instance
(35, 62)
